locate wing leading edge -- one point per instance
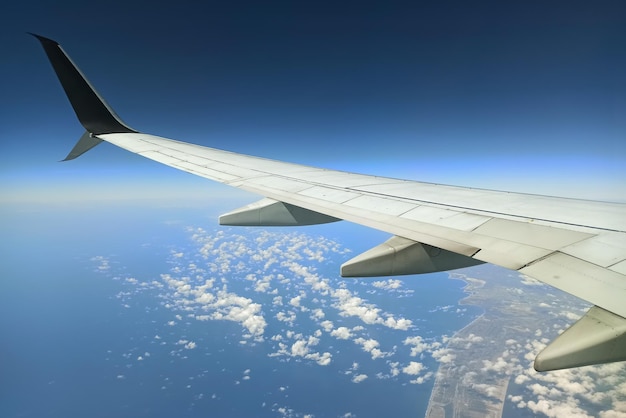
(575, 245)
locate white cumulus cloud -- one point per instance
(359, 378)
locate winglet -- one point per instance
(92, 111)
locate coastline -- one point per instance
(457, 390)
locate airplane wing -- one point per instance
(577, 246)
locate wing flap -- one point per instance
(383, 205)
(511, 255)
(445, 217)
(530, 234)
(278, 183)
(619, 268)
(329, 194)
(605, 249)
(203, 171)
(580, 278)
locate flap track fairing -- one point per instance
(598, 337)
(269, 212)
(401, 256)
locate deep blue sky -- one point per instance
(527, 96)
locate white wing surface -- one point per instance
(574, 245)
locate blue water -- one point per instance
(78, 342)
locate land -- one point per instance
(488, 351)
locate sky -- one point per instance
(522, 96)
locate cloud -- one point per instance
(521, 379)
(359, 378)
(299, 348)
(317, 314)
(390, 284)
(579, 392)
(262, 286)
(413, 368)
(341, 333)
(394, 368)
(221, 305)
(103, 263)
(371, 346)
(302, 347)
(501, 365)
(444, 355)
(327, 325)
(288, 317)
(529, 281)
(189, 345)
(401, 323)
(261, 281)
(422, 379)
(350, 305)
(419, 345)
(295, 301)
(323, 359)
(571, 316)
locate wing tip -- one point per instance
(43, 38)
